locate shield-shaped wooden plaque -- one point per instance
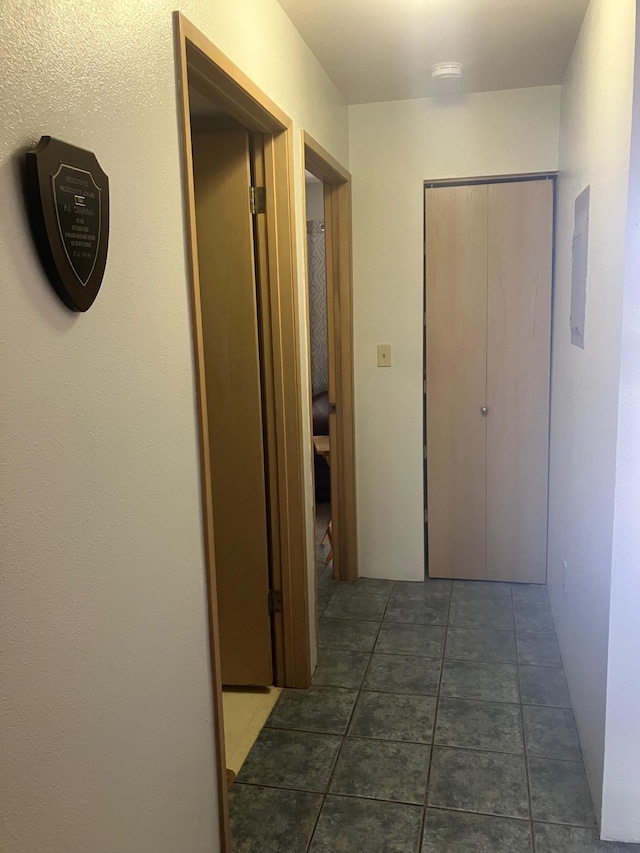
(68, 201)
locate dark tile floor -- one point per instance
(439, 721)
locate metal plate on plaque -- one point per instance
(68, 200)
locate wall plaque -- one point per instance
(68, 202)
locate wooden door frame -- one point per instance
(337, 218)
(200, 63)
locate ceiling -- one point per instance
(383, 50)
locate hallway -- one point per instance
(439, 721)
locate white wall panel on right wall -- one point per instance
(595, 132)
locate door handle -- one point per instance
(484, 411)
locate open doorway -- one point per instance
(227, 157)
(319, 364)
(328, 245)
(238, 184)
(245, 130)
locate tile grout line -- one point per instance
(450, 746)
(497, 815)
(324, 794)
(524, 732)
(435, 724)
(344, 736)
(512, 662)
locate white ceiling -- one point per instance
(383, 50)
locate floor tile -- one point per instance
(559, 792)
(487, 782)
(457, 832)
(533, 617)
(497, 682)
(374, 586)
(538, 650)
(345, 606)
(382, 770)
(270, 820)
(401, 674)
(551, 733)
(429, 588)
(364, 588)
(286, 759)
(481, 644)
(394, 716)
(492, 726)
(337, 668)
(535, 592)
(572, 839)
(543, 685)
(346, 823)
(323, 514)
(396, 638)
(347, 634)
(325, 572)
(490, 612)
(318, 709)
(326, 588)
(481, 590)
(425, 611)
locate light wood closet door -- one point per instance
(456, 303)
(518, 363)
(234, 404)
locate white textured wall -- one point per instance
(394, 147)
(105, 687)
(594, 150)
(621, 790)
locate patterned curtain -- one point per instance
(317, 306)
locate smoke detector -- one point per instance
(446, 71)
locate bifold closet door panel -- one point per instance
(456, 304)
(520, 232)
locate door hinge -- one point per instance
(275, 601)
(425, 451)
(257, 199)
(426, 516)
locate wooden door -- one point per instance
(234, 404)
(456, 307)
(520, 240)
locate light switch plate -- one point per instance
(384, 355)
